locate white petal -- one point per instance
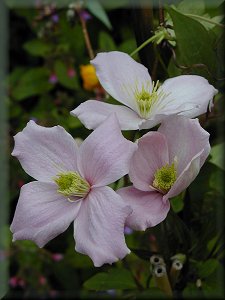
(120, 76)
(151, 155)
(41, 213)
(148, 208)
(186, 177)
(45, 152)
(187, 90)
(105, 155)
(185, 139)
(99, 227)
(92, 113)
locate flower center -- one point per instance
(165, 178)
(72, 184)
(146, 100)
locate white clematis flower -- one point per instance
(146, 103)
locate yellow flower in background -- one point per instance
(88, 75)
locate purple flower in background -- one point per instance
(53, 78)
(164, 165)
(72, 186)
(146, 104)
(84, 14)
(55, 18)
(71, 72)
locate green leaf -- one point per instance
(71, 39)
(128, 46)
(152, 293)
(207, 268)
(38, 48)
(98, 11)
(217, 155)
(187, 7)
(106, 43)
(192, 47)
(32, 82)
(114, 279)
(177, 202)
(64, 79)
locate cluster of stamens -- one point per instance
(165, 177)
(72, 184)
(146, 100)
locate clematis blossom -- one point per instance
(164, 165)
(71, 187)
(145, 103)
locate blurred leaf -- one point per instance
(71, 36)
(32, 82)
(177, 202)
(38, 48)
(106, 42)
(216, 182)
(152, 293)
(217, 155)
(127, 46)
(212, 243)
(73, 122)
(15, 75)
(207, 268)
(98, 11)
(192, 47)
(187, 6)
(114, 279)
(77, 260)
(192, 292)
(5, 236)
(64, 79)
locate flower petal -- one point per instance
(92, 113)
(188, 89)
(45, 152)
(186, 177)
(185, 138)
(99, 227)
(120, 76)
(41, 213)
(105, 155)
(152, 154)
(148, 208)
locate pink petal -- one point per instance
(188, 89)
(45, 152)
(148, 208)
(186, 177)
(185, 138)
(41, 213)
(99, 227)
(105, 155)
(152, 154)
(92, 113)
(120, 76)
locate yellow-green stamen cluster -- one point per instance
(72, 184)
(165, 178)
(146, 100)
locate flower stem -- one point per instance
(86, 37)
(205, 19)
(151, 39)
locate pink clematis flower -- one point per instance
(71, 186)
(165, 164)
(146, 103)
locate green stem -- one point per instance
(205, 19)
(145, 43)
